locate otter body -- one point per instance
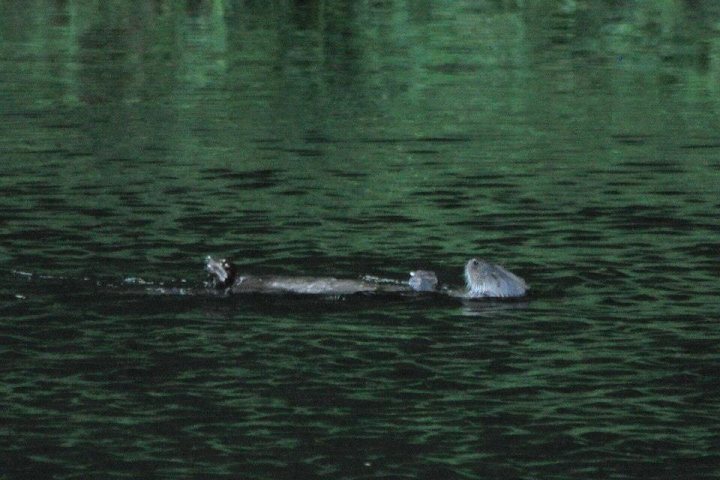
(300, 285)
(226, 277)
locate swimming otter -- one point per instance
(226, 277)
(485, 279)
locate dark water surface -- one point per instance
(577, 143)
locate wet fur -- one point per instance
(484, 279)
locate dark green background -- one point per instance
(575, 142)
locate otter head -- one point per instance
(477, 274)
(485, 279)
(423, 281)
(223, 270)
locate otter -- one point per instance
(483, 280)
(227, 278)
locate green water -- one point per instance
(576, 143)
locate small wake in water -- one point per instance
(132, 285)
